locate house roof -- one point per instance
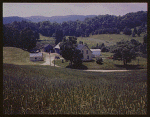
(57, 46)
(80, 46)
(36, 54)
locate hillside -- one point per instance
(17, 56)
(7, 20)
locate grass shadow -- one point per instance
(81, 67)
(129, 67)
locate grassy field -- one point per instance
(107, 39)
(12, 55)
(109, 64)
(29, 89)
(46, 40)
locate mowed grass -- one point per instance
(108, 39)
(109, 64)
(13, 55)
(37, 89)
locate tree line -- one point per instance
(102, 24)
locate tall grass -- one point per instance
(50, 90)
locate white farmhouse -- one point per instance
(87, 54)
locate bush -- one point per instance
(99, 61)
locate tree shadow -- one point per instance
(129, 67)
(81, 67)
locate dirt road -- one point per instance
(49, 58)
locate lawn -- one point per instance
(38, 89)
(107, 39)
(109, 64)
(13, 55)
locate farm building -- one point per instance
(96, 52)
(57, 48)
(87, 53)
(48, 48)
(36, 56)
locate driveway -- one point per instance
(49, 58)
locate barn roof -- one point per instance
(57, 46)
(36, 54)
(96, 51)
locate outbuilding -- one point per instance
(36, 56)
(96, 52)
(57, 48)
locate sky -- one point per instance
(62, 9)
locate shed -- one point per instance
(48, 48)
(96, 52)
(36, 56)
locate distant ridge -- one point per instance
(7, 20)
(58, 19)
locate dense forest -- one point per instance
(25, 33)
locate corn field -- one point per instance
(92, 93)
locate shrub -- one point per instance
(99, 60)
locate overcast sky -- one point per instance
(62, 9)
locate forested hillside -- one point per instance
(102, 24)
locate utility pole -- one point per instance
(50, 58)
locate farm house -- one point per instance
(36, 56)
(96, 52)
(87, 54)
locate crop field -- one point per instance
(107, 39)
(49, 90)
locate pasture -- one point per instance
(107, 39)
(45, 40)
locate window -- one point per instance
(87, 57)
(82, 51)
(35, 58)
(86, 51)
